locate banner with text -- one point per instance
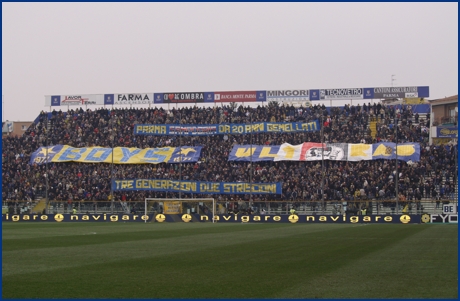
(396, 92)
(447, 132)
(288, 95)
(121, 155)
(181, 97)
(309, 151)
(225, 129)
(73, 100)
(196, 187)
(230, 218)
(335, 94)
(239, 96)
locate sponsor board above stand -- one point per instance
(336, 94)
(229, 218)
(180, 97)
(73, 100)
(397, 92)
(299, 95)
(288, 95)
(133, 98)
(240, 96)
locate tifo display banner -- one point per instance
(121, 155)
(309, 151)
(196, 187)
(225, 129)
(221, 218)
(447, 132)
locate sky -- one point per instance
(98, 48)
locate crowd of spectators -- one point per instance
(301, 181)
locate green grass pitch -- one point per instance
(205, 260)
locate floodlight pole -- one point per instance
(251, 169)
(396, 162)
(322, 164)
(112, 139)
(46, 165)
(455, 149)
(180, 152)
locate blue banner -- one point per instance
(447, 132)
(396, 92)
(229, 218)
(109, 99)
(196, 187)
(225, 129)
(55, 100)
(117, 155)
(314, 94)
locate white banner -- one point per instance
(74, 100)
(358, 152)
(348, 93)
(288, 95)
(133, 98)
(288, 152)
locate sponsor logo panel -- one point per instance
(288, 95)
(446, 132)
(183, 97)
(345, 93)
(238, 96)
(74, 100)
(109, 99)
(56, 100)
(133, 98)
(392, 92)
(444, 218)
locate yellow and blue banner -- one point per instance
(232, 218)
(447, 131)
(196, 187)
(225, 129)
(172, 207)
(310, 151)
(117, 155)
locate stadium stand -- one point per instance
(348, 186)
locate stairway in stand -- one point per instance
(38, 208)
(373, 127)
